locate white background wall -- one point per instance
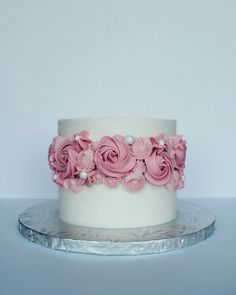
(163, 59)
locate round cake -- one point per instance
(117, 172)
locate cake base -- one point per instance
(41, 224)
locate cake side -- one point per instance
(100, 206)
(99, 127)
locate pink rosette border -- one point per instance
(77, 161)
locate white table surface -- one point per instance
(205, 268)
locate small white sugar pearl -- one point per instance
(83, 175)
(55, 177)
(129, 139)
(161, 142)
(77, 137)
(51, 158)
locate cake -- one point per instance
(117, 172)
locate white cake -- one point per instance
(103, 207)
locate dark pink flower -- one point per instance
(113, 156)
(85, 161)
(141, 148)
(98, 177)
(65, 155)
(178, 146)
(159, 168)
(134, 182)
(161, 144)
(112, 182)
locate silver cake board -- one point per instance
(41, 224)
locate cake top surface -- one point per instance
(116, 119)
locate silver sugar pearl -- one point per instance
(51, 158)
(83, 175)
(77, 137)
(129, 139)
(161, 142)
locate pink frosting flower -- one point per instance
(159, 168)
(109, 181)
(135, 180)
(85, 161)
(98, 177)
(113, 156)
(65, 155)
(179, 148)
(173, 181)
(74, 184)
(139, 167)
(81, 140)
(141, 148)
(112, 182)
(161, 144)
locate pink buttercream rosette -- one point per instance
(76, 161)
(113, 156)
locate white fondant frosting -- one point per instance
(100, 206)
